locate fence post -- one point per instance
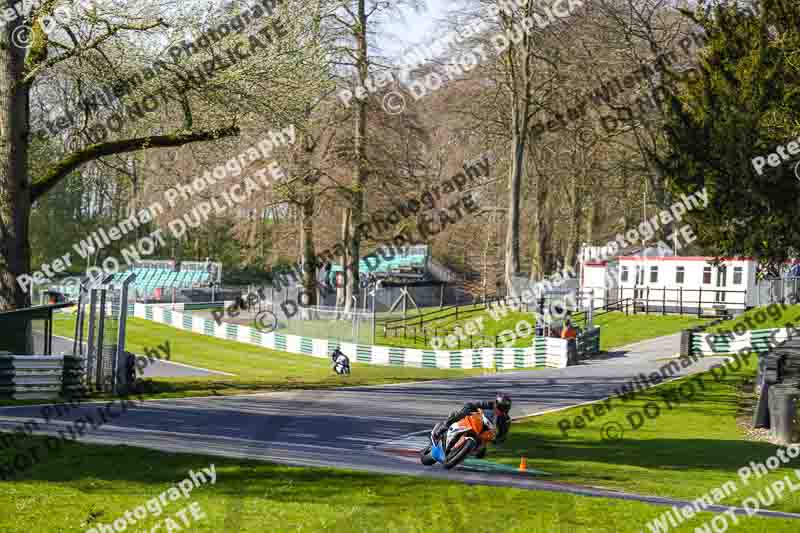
(664, 302)
(441, 295)
(405, 296)
(680, 296)
(647, 302)
(700, 303)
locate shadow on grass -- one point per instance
(92, 468)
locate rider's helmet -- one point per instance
(502, 402)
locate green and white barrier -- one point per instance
(545, 351)
(757, 340)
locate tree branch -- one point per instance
(62, 168)
(38, 60)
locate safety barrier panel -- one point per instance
(24, 377)
(544, 352)
(722, 343)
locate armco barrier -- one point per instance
(24, 377)
(722, 343)
(544, 352)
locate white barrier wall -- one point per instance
(545, 351)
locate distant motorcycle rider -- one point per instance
(497, 409)
(341, 363)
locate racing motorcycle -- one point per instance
(470, 435)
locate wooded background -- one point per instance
(546, 193)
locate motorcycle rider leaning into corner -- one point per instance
(499, 407)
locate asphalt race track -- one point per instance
(362, 428)
(158, 368)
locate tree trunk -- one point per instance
(309, 265)
(521, 100)
(514, 182)
(341, 293)
(357, 202)
(538, 245)
(574, 217)
(662, 200)
(15, 194)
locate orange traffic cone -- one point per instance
(523, 464)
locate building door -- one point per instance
(722, 275)
(638, 293)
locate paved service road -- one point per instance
(157, 368)
(346, 427)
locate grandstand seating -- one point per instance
(414, 259)
(149, 279)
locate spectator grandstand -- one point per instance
(153, 278)
(410, 262)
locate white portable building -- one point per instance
(672, 283)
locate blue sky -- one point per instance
(416, 28)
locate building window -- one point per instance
(624, 274)
(653, 274)
(706, 275)
(737, 275)
(680, 272)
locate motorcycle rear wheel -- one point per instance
(459, 455)
(425, 457)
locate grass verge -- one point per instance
(764, 317)
(86, 485)
(684, 451)
(617, 328)
(257, 369)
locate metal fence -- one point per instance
(664, 300)
(389, 297)
(321, 322)
(100, 327)
(178, 295)
(777, 290)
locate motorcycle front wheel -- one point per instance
(459, 455)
